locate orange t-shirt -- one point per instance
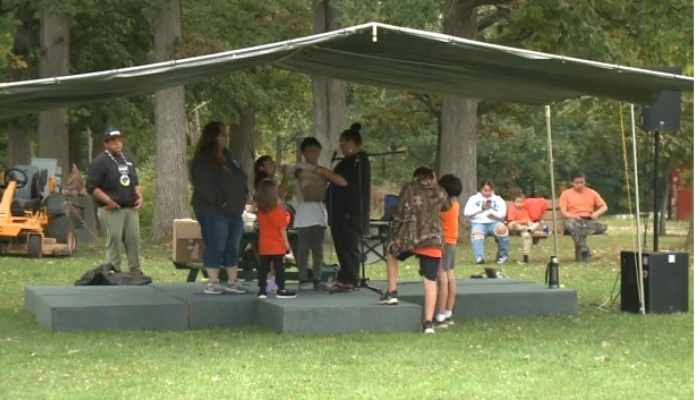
(428, 251)
(450, 223)
(536, 207)
(518, 214)
(270, 240)
(581, 203)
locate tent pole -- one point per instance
(640, 281)
(555, 209)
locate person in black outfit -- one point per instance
(219, 197)
(112, 181)
(349, 208)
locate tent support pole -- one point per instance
(555, 209)
(640, 281)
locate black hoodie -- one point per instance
(218, 190)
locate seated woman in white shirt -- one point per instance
(486, 212)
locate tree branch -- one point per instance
(493, 17)
(425, 99)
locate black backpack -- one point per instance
(108, 275)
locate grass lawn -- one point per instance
(600, 353)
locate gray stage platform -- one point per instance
(176, 306)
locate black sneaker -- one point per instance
(526, 259)
(389, 298)
(428, 327)
(441, 324)
(285, 294)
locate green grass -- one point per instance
(597, 354)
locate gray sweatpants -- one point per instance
(579, 229)
(310, 238)
(121, 226)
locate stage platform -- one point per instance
(179, 306)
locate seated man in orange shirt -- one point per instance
(581, 207)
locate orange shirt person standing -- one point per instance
(581, 207)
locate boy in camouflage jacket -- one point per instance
(417, 230)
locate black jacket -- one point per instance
(218, 190)
(351, 204)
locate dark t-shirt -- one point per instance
(351, 204)
(116, 177)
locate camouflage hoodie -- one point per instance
(417, 223)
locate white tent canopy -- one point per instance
(372, 53)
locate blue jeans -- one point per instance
(222, 238)
(489, 230)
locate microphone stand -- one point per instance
(364, 281)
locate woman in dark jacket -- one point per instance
(219, 197)
(349, 208)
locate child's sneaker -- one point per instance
(428, 327)
(389, 298)
(262, 294)
(213, 288)
(285, 294)
(232, 287)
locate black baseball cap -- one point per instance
(111, 133)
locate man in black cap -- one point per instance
(113, 182)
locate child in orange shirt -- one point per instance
(447, 285)
(519, 221)
(417, 231)
(273, 243)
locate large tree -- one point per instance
(171, 199)
(328, 94)
(54, 61)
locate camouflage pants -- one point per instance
(579, 229)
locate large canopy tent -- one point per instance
(381, 55)
(373, 53)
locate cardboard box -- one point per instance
(188, 246)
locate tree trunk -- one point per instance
(328, 94)
(53, 124)
(278, 150)
(76, 150)
(18, 132)
(171, 200)
(458, 121)
(242, 141)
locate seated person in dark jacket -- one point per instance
(220, 193)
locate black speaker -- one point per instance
(665, 277)
(665, 113)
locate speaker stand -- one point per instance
(657, 150)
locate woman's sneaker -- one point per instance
(285, 294)
(213, 288)
(428, 327)
(389, 298)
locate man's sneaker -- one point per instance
(232, 287)
(262, 294)
(501, 260)
(389, 298)
(428, 327)
(285, 294)
(479, 261)
(450, 321)
(305, 285)
(214, 288)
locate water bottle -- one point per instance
(545, 229)
(553, 273)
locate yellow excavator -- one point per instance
(31, 224)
